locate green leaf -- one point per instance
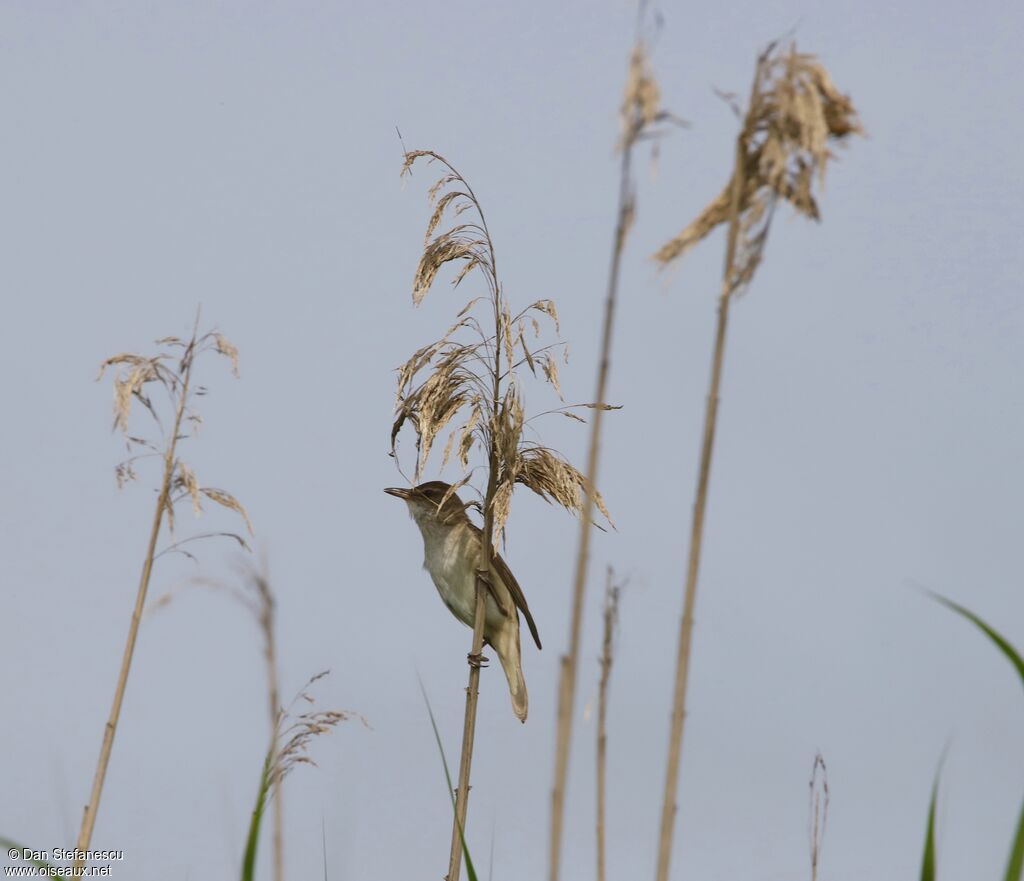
(928, 860)
(997, 638)
(7, 844)
(470, 870)
(253, 838)
(1016, 865)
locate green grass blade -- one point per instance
(1016, 864)
(470, 870)
(1015, 867)
(253, 838)
(50, 870)
(1003, 645)
(928, 860)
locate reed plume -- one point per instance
(170, 372)
(472, 373)
(640, 114)
(292, 737)
(793, 117)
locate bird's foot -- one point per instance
(476, 660)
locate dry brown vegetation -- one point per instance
(170, 372)
(474, 370)
(466, 389)
(640, 115)
(793, 117)
(612, 593)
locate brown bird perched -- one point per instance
(453, 548)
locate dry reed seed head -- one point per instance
(410, 158)
(465, 374)
(229, 350)
(548, 308)
(551, 373)
(506, 333)
(130, 382)
(501, 507)
(555, 479)
(440, 206)
(527, 355)
(295, 740)
(420, 359)
(448, 447)
(294, 734)
(460, 508)
(436, 402)
(467, 435)
(124, 472)
(464, 241)
(224, 498)
(795, 114)
(185, 478)
(445, 248)
(471, 264)
(641, 104)
(139, 370)
(169, 513)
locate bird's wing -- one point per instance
(509, 580)
(505, 574)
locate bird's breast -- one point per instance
(451, 558)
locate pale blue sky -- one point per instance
(243, 156)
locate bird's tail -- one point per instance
(507, 647)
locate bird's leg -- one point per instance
(472, 658)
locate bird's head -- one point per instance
(425, 503)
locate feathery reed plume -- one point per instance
(794, 114)
(473, 370)
(818, 816)
(169, 371)
(641, 112)
(292, 736)
(611, 617)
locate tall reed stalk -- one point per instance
(640, 110)
(611, 616)
(473, 688)
(479, 375)
(177, 482)
(794, 114)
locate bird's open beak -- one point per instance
(397, 491)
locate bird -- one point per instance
(452, 552)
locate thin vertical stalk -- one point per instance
(668, 809)
(611, 608)
(570, 661)
(274, 707)
(91, 809)
(473, 688)
(472, 696)
(818, 816)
